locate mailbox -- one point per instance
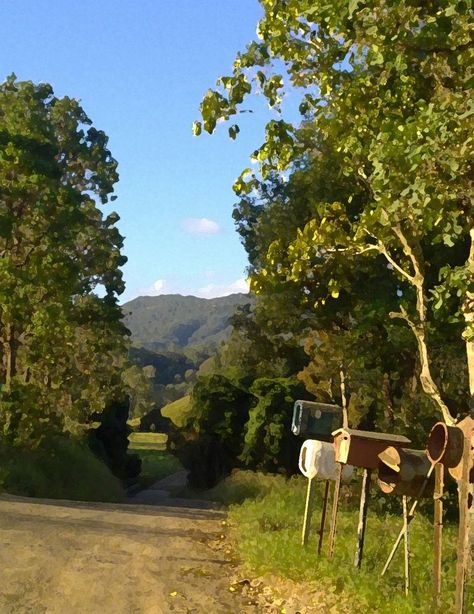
(362, 448)
(403, 472)
(317, 460)
(445, 445)
(317, 420)
(467, 427)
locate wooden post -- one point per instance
(335, 505)
(364, 499)
(323, 516)
(345, 418)
(307, 512)
(411, 515)
(463, 535)
(438, 533)
(407, 544)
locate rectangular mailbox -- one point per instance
(362, 448)
(316, 420)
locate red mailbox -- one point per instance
(362, 448)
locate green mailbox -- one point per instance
(316, 420)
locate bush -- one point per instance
(210, 444)
(109, 441)
(155, 422)
(269, 443)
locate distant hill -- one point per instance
(175, 323)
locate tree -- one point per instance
(63, 341)
(269, 443)
(109, 441)
(384, 89)
(210, 443)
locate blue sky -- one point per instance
(140, 70)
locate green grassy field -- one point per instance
(134, 423)
(156, 465)
(265, 516)
(178, 411)
(147, 441)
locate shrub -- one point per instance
(210, 444)
(109, 441)
(269, 442)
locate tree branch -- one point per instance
(426, 379)
(380, 247)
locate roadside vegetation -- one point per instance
(265, 521)
(156, 465)
(60, 468)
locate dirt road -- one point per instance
(68, 558)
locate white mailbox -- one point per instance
(317, 460)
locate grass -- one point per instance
(134, 423)
(61, 468)
(178, 411)
(147, 441)
(265, 516)
(155, 466)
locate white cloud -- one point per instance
(160, 286)
(215, 290)
(201, 226)
(211, 290)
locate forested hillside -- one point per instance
(172, 335)
(181, 323)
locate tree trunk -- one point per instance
(10, 356)
(468, 311)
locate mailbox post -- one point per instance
(318, 421)
(317, 461)
(362, 449)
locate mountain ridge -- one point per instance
(175, 322)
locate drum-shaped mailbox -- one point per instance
(403, 471)
(362, 448)
(467, 427)
(316, 420)
(445, 445)
(317, 460)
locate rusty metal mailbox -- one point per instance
(362, 448)
(316, 420)
(403, 471)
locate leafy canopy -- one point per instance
(63, 342)
(384, 92)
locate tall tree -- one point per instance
(63, 342)
(385, 87)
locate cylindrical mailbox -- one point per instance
(403, 471)
(445, 445)
(317, 461)
(317, 420)
(467, 427)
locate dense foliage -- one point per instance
(363, 210)
(181, 324)
(61, 333)
(212, 438)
